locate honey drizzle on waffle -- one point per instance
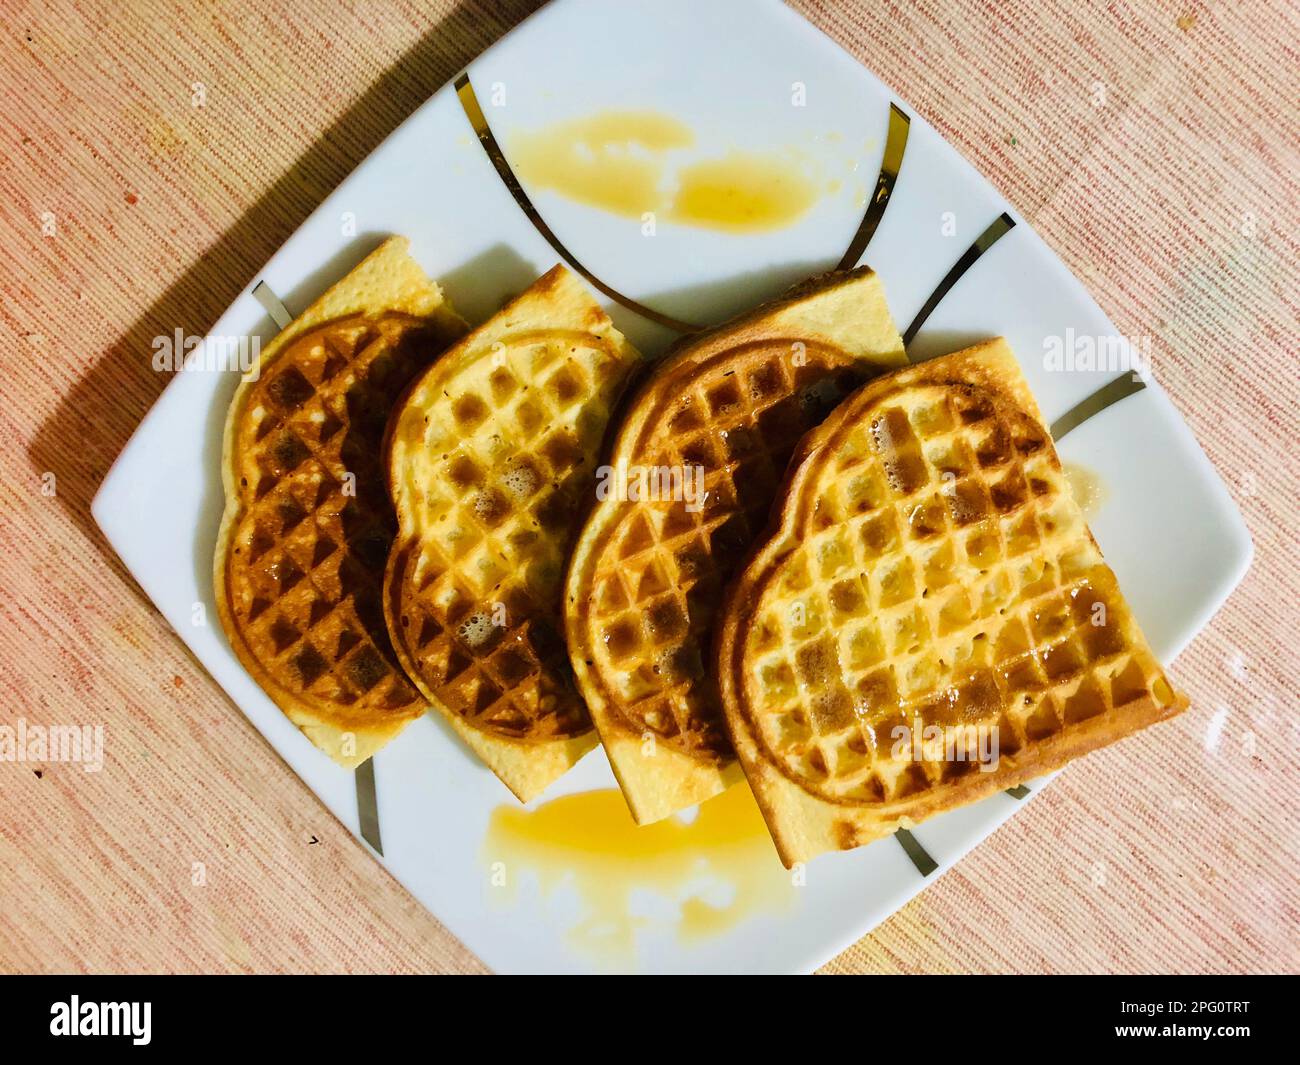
(496, 516)
(307, 559)
(659, 570)
(946, 579)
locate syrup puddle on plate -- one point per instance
(614, 882)
(1088, 489)
(621, 162)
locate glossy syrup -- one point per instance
(623, 162)
(692, 880)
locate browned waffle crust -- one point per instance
(647, 574)
(928, 568)
(308, 526)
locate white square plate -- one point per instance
(731, 70)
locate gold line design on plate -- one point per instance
(1109, 394)
(367, 800)
(999, 228)
(368, 804)
(895, 146)
(271, 304)
(925, 865)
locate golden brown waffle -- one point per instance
(647, 575)
(307, 525)
(492, 457)
(930, 568)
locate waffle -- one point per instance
(307, 524)
(492, 456)
(930, 569)
(647, 574)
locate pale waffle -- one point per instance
(646, 577)
(492, 458)
(930, 568)
(307, 524)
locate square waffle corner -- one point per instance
(930, 568)
(299, 561)
(491, 461)
(647, 576)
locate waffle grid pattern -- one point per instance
(498, 480)
(309, 551)
(948, 579)
(658, 580)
